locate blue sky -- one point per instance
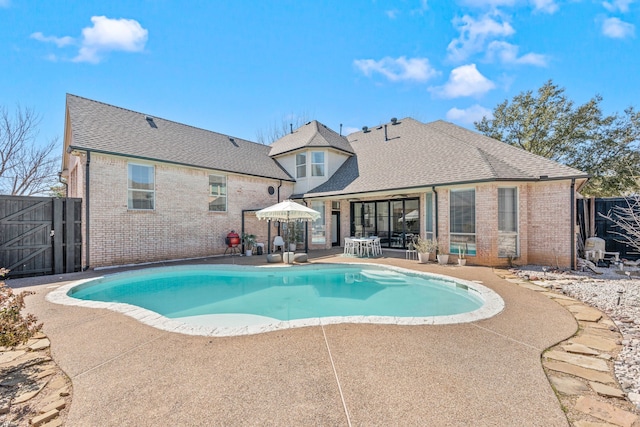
(240, 67)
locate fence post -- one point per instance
(69, 235)
(58, 236)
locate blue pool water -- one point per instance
(290, 293)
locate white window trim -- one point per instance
(511, 233)
(300, 165)
(153, 192)
(324, 164)
(429, 227)
(475, 219)
(226, 186)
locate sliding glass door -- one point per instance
(396, 222)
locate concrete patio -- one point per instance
(486, 373)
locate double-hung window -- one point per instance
(317, 163)
(301, 165)
(141, 187)
(217, 193)
(508, 222)
(462, 212)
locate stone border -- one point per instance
(580, 369)
(493, 304)
(33, 389)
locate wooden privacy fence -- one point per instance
(593, 224)
(40, 235)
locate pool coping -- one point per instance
(493, 305)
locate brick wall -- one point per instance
(549, 223)
(544, 223)
(181, 225)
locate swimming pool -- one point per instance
(221, 300)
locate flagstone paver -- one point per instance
(586, 314)
(606, 390)
(32, 386)
(569, 385)
(580, 349)
(584, 423)
(578, 360)
(587, 374)
(606, 412)
(553, 295)
(11, 355)
(588, 355)
(595, 342)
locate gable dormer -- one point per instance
(311, 154)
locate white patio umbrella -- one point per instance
(288, 211)
(411, 216)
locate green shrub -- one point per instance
(15, 328)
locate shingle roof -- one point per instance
(313, 134)
(105, 128)
(423, 154)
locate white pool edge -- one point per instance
(493, 305)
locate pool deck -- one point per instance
(484, 373)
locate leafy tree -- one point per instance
(581, 136)
(25, 168)
(58, 191)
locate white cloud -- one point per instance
(617, 5)
(508, 53)
(58, 41)
(474, 34)
(547, 6)
(110, 35)
(423, 6)
(104, 36)
(488, 3)
(412, 69)
(465, 80)
(617, 29)
(469, 115)
(392, 14)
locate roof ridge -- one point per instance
(162, 118)
(495, 159)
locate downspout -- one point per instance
(86, 204)
(279, 185)
(573, 225)
(65, 183)
(242, 231)
(306, 232)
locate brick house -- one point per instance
(154, 189)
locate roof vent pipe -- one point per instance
(340, 129)
(385, 133)
(365, 129)
(394, 121)
(291, 127)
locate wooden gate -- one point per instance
(40, 235)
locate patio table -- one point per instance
(360, 242)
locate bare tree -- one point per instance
(25, 167)
(627, 220)
(278, 129)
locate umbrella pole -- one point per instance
(289, 233)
